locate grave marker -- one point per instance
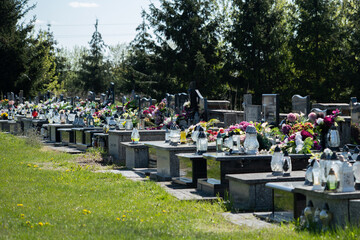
(270, 108)
(301, 104)
(253, 113)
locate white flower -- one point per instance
(319, 121)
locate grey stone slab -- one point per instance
(253, 113)
(258, 178)
(137, 155)
(247, 220)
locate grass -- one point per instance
(48, 195)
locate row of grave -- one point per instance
(247, 178)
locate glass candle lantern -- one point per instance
(182, 135)
(128, 124)
(174, 135)
(135, 136)
(56, 118)
(355, 153)
(195, 133)
(356, 171)
(277, 162)
(76, 120)
(219, 143)
(112, 123)
(316, 172)
(333, 138)
(331, 181)
(90, 120)
(81, 121)
(346, 178)
(251, 143)
(308, 174)
(287, 166)
(325, 217)
(62, 118)
(201, 143)
(309, 212)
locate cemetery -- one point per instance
(217, 120)
(283, 167)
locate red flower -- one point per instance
(305, 135)
(328, 121)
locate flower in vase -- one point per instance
(291, 117)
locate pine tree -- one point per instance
(316, 47)
(94, 74)
(14, 42)
(257, 37)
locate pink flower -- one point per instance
(336, 112)
(312, 116)
(291, 117)
(316, 145)
(328, 121)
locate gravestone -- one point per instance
(21, 96)
(12, 96)
(170, 103)
(180, 99)
(270, 108)
(8, 95)
(111, 94)
(144, 103)
(253, 113)
(318, 111)
(91, 96)
(355, 111)
(301, 104)
(102, 98)
(246, 102)
(37, 100)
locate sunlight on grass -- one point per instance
(48, 195)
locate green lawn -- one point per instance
(47, 195)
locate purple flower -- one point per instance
(285, 129)
(316, 145)
(305, 135)
(243, 125)
(291, 117)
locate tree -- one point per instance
(187, 44)
(257, 61)
(317, 48)
(95, 74)
(14, 41)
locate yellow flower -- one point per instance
(141, 220)
(20, 205)
(27, 222)
(29, 165)
(22, 215)
(124, 216)
(67, 170)
(41, 224)
(47, 223)
(118, 219)
(35, 166)
(164, 211)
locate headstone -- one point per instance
(180, 99)
(21, 96)
(301, 104)
(253, 113)
(12, 96)
(37, 100)
(270, 108)
(112, 93)
(229, 119)
(8, 95)
(355, 111)
(319, 111)
(170, 103)
(246, 102)
(144, 102)
(102, 98)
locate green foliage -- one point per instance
(94, 74)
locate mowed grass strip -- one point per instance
(46, 195)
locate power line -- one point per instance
(82, 25)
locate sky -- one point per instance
(72, 21)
